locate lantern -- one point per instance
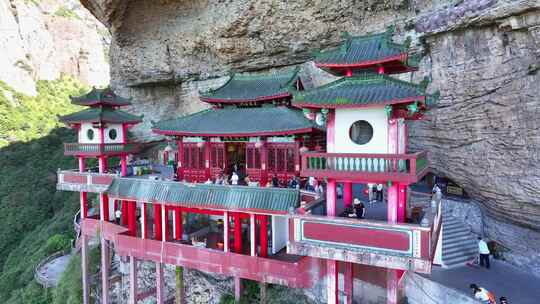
(200, 144)
(258, 144)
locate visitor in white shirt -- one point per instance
(484, 252)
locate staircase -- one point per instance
(459, 244)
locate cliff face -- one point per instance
(483, 56)
(47, 38)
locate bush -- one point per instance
(57, 243)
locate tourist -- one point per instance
(311, 183)
(436, 193)
(339, 191)
(234, 178)
(208, 182)
(371, 190)
(484, 252)
(247, 180)
(275, 181)
(379, 192)
(503, 300)
(294, 183)
(359, 208)
(482, 294)
(118, 216)
(219, 179)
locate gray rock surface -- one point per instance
(482, 55)
(40, 40)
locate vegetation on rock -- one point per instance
(35, 219)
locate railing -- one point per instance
(377, 243)
(38, 276)
(98, 149)
(346, 164)
(70, 180)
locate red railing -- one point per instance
(397, 167)
(69, 180)
(99, 149)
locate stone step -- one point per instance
(457, 261)
(459, 244)
(459, 251)
(456, 235)
(454, 229)
(452, 223)
(457, 239)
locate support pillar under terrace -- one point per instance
(332, 276)
(160, 284)
(105, 284)
(348, 282)
(84, 269)
(132, 280)
(237, 289)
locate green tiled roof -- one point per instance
(231, 121)
(100, 97)
(253, 87)
(210, 196)
(365, 49)
(99, 114)
(360, 90)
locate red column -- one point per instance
(132, 218)
(207, 152)
(237, 233)
(180, 168)
(178, 223)
(331, 197)
(84, 204)
(392, 202)
(144, 221)
(392, 278)
(402, 203)
(157, 222)
(332, 287)
(102, 163)
(166, 223)
(348, 282)
(252, 235)
(123, 164)
(263, 222)
(82, 167)
(104, 198)
(264, 163)
(124, 221)
(347, 194)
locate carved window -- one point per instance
(90, 134)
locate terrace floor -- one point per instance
(502, 279)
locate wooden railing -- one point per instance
(351, 164)
(98, 149)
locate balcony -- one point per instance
(377, 243)
(70, 180)
(79, 149)
(404, 168)
(297, 272)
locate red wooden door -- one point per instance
(218, 159)
(194, 163)
(253, 162)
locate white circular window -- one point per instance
(112, 134)
(90, 134)
(361, 132)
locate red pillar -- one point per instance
(263, 222)
(124, 221)
(381, 70)
(84, 204)
(237, 234)
(348, 282)
(402, 203)
(166, 223)
(84, 269)
(102, 163)
(347, 194)
(332, 287)
(178, 223)
(132, 218)
(144, 221)
(392, 279)
(331, 197)
(157, 222)
(81, 164)
(104, 199)
(264, 163)
(123, 164)
(237, 289)
(226, 232)
(392, 202)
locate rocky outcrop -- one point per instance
(483, 56)
(41, 40)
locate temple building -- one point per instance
(248, 188)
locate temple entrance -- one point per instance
(236, 155)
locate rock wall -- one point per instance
(44, 39)
(483, 56)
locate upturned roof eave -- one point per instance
(238, 134)
(208, 99)
(319, 105)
